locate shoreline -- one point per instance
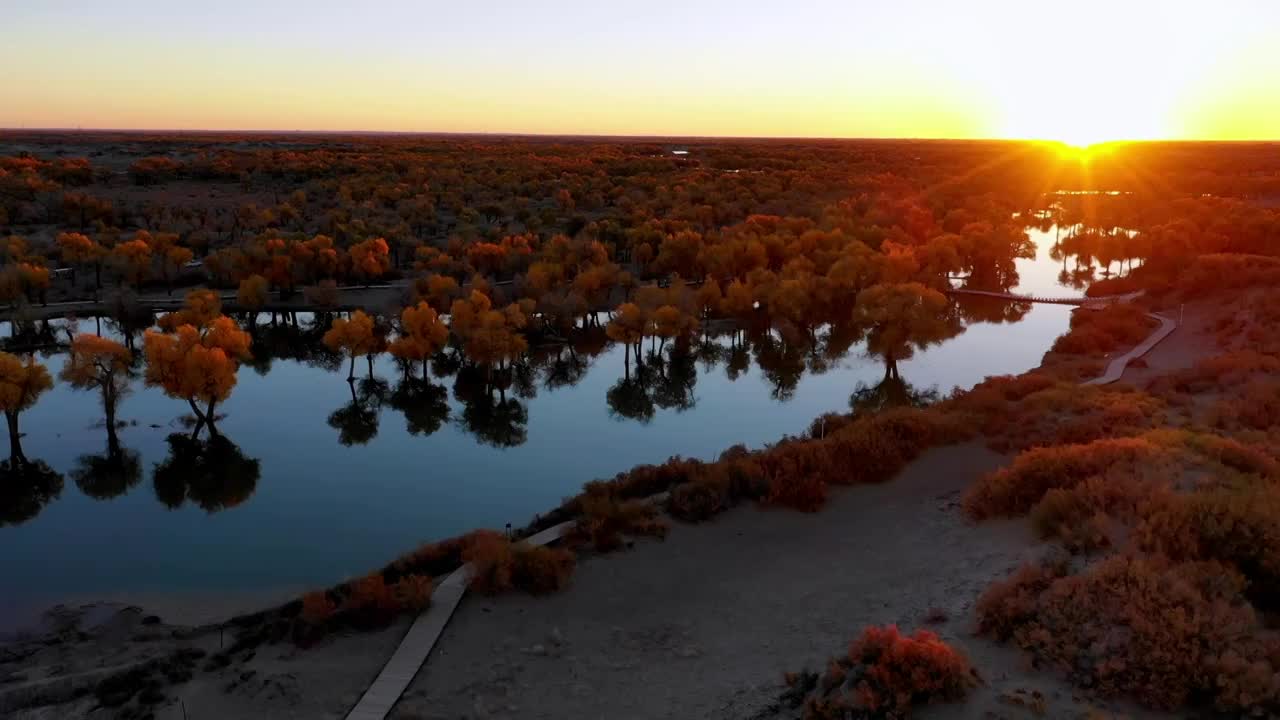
(210, 607)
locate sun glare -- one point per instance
(1119, 83)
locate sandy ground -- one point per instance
(704, 624)
(274, 681)
(1193, 341)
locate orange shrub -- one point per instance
(492, 559)
(1015, 489)
(1115, 326)
(1165, 633)
(884, 675)
(499, 566)
(317, 608)
(413, 592)
(371, 602)
(605, 521)
(541, 570)
(1238, 527)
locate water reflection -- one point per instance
(110, 474)
(26, 487)
(211, 472)
(496, 440)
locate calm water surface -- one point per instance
(321, 511)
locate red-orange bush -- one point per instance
(1015, 489)
(1115, 326)
(499, 565)
(1165, 633)
(541, 570)
(884, 675)
(605, 521)
(317, 608)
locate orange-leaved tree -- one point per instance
(901, 318)
(370, 259)
(200, 308)
(355, 336)
(132, 260)
(628, 327)
(197, 364)
(489, 336)
(22, 382)
(102, 364)
(422, 334)
(79, 250)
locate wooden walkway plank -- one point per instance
(426, 630)
(1115, 368)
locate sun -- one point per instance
(1117, 79)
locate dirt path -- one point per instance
(704, 624)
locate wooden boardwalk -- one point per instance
(1115, 368)
(1078, 301)
(417, 644)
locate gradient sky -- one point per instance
(1075, 70)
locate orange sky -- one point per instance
(1082, 72)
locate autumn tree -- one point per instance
(78, 251)
(670, 322)
(132, 260)
(175, 258)
(200, 308)
(21, 385)
(901, 318)
(354, 336)
(103, 365)
(422, 334)
(489, 336)
(197, 364)
(252, 295)
(628, 327)
(370, 259)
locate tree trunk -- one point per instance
(351, 375)
(369, 357)
(15, 441)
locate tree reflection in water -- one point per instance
(26, 487)
(110, 474)
(498, 421)
(357, 421)
(213, 473)
(424, 404)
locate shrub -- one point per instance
(371, 602)
(413, 592)
(703, 498)
(1098, 331)
(541, 570)
(1015, 489)
(499, 565)
(1165, 633)
(317, 608)
(605, 521)
(492, 560)
(1238, 527)
(884, 675)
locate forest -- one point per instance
(504, 262)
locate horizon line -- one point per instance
(621, 136)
